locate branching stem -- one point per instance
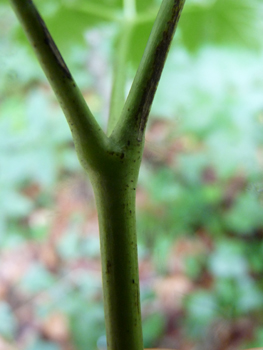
(113, 162)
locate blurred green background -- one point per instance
(200, 191)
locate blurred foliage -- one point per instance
(203, 22)
(199, 199)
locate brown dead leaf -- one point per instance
(32, 190)
(15, 262)
(56, 328)
(182, 249)
(171, 291)
(49, 256)
(3, 289)
(209, 175)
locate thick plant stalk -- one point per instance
(112, 163)
(115, 198)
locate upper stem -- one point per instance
(137, 107)
(130, 9)
(112, 163)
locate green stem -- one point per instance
(120, 66)
(119, 76)
(112, 163)
(137, 107)
(115, 199)
(129, 7)
(88, 137)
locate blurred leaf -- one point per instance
(14, 204)
(259, 337)
(226, 290)
(67, 27)
(139, 38)
(201, 310)
(90, 247)
(254, 253)
(103, 3)
(69, 245)
(37, 279)
(163, 186)
(87, 327)
(245, 215)
(146, 5)
(162, 246)
(102, 343)
(249, 297)
(43, 345)
(7, 321)
(153, 327)
(228, 261)
(221, 21)
(193, 266)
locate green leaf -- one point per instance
(69, 245)
(250, 297)
(68, 26)
(14, 204)
(193, 266)
(153, 328)
(37, 279)
(258, 337)
(138, 42)
(245, 215)
(87, 327)
(146, 5)
(201, 306)
(227, 261)
(201, 310)
(107, 4)
(221, 21)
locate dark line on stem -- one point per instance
(160, 55)
(51, 44)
